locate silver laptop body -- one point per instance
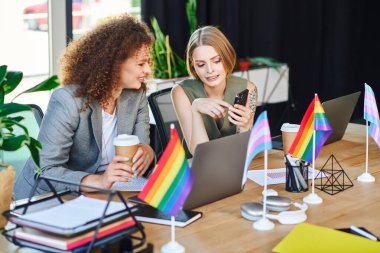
(218, 168)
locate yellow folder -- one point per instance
(311, 238)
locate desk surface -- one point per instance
(222, 229)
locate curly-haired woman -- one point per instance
(103, 95)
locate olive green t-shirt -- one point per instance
(194, 89)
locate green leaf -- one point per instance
(34, 149)
(13, 122)
(15, 142)
(3, 73)
(48, 84)
(17, 119)
(191, 12)
(13, 80)
(7, 109)
(2, 95)
(266, 61)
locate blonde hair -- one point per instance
(210, 36)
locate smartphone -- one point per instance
(241, 98)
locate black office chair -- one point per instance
(38, 113)
(162, 108)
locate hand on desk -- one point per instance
(118, 171)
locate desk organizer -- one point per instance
(37, 203)
(296, 177)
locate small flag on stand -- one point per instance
(371, 114)
(314, 119)
(170, 184)
(259, 139)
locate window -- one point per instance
(25, 36)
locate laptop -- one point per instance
(218, 168)
(339, 111)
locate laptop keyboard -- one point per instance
(277, 142)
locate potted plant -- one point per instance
(9, 141)
(168, 64)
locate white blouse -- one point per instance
(109, 132)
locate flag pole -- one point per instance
(366, 148)
(173, 228)
(264, 223)
(366, 177)
(173, 246)
(313, 198)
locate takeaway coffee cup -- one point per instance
(289, 132)
(126, 145)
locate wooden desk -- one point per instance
(222, 229)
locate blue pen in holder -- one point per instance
(296, 176)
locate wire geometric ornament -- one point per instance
(336, 180)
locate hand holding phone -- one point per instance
(241, 98)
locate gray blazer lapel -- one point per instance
(96, 122)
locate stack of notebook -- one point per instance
(72, 225)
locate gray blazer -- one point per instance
(72, 139)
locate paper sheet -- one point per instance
(74, 213)
(275, 176)
(316, 239)
(135, 184)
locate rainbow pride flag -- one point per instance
(371, 114)
(314, 119)
(170, 183)
(259, 139)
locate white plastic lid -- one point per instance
(287, 127)
(126, 140)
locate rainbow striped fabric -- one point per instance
(170, 183)
(314, 119)
(371, 113)
(259, 139)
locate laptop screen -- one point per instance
(339, 111)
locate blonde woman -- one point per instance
(205, 104)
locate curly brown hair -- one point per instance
(93, 61)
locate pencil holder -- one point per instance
(297, 177)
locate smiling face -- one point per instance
(134, 70)
(209, 66)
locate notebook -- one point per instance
(146, 213)
(67, 243)
(72, 217)
(339, 111)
